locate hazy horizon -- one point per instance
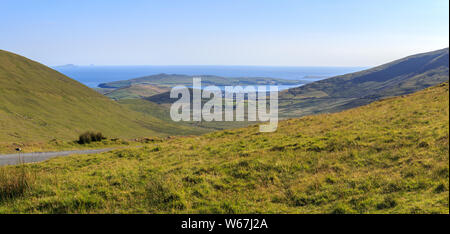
(286, 33)
(94, 75)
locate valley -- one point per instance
(390, 156)
(375, 141)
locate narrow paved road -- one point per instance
(12, 159)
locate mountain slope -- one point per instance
(390, 156)
(38, 103)
(399, 77)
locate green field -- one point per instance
(390, 156)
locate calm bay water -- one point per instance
(94, 75)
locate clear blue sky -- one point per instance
(225, 32)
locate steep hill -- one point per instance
(390, 156)
(396, 78)
(38, 103)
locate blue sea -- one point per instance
(92, 76)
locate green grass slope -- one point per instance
(390, 156)
(38, 103)
(399, 77)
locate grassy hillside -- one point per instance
(387, 157)
(400, 77)
(39, 104)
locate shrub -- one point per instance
(89, 137)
